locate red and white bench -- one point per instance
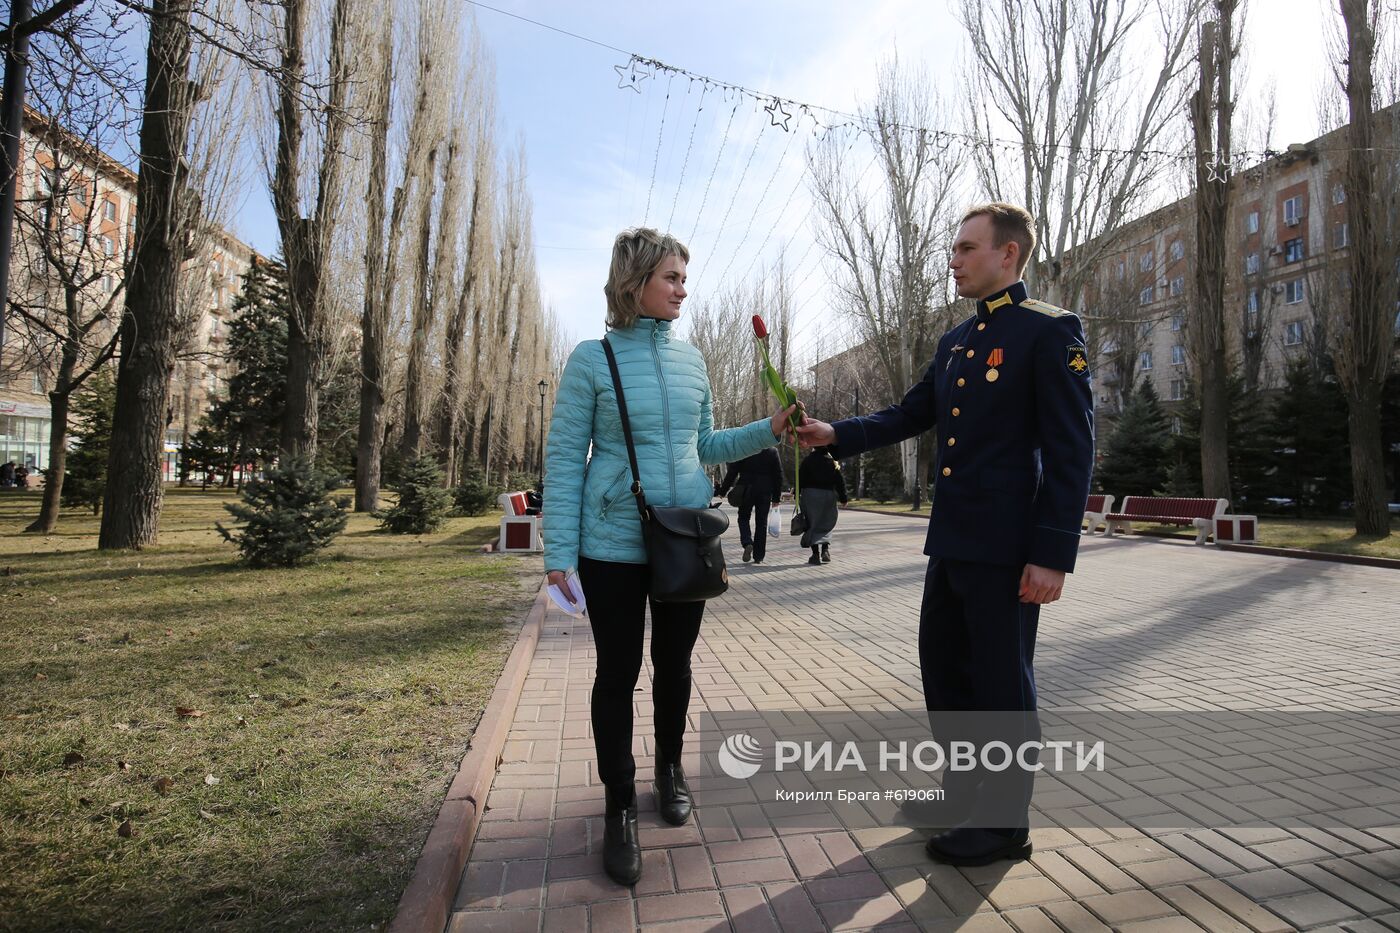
(519, 532)
(1095, 510)
(1167, 510)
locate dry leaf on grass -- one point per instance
(126, 830)
(185, 712)
(72, 760)
(210, 780)
(163, 785)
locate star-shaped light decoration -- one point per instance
(776, 108)
(631, 74)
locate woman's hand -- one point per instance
(779, 424)
(560, 579)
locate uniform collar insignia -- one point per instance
(1010, 296)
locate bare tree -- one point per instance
(1058, 78)
(186, 139)
(308, 224)
(1212, 116)
(889, 245)
(1366, 337)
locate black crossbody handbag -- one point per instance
(682, 544)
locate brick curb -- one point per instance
(427, 900)
(852, 508)
(1387, 562)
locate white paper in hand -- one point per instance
(574, 609)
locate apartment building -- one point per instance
(77, 204)
(1286, 242)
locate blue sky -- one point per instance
(591, 147)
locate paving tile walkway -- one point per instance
(1144, 625)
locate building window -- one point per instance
(1293, 334)
(1176, 424)
(1145, 296)
(1251, 222)
(1293, 291)
(1108, 346)
(1251, 322)
(36, 383)
(109, 284)
(1178, 286)
(80, 192)
(1178, 355)
(1293, 250)
(109, 209)
(1145, 329)
(1251, 264)
(1178, 250)
(1145, 360)
(1293, 211)
(1145, 262)
(1339, 193)
(108, 247)
(1339, 236)
(1252, 301)
(1122, 268)
(1176, 390)
(1177, 322)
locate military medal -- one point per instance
(994, 359)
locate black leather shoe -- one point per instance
(816, 557)
(966, 845)
(748, 553)
(826, 553)
(673, 794)
(622, 850)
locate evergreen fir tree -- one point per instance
(1309, 427)
(1136, 457)
(884, 474)
(249, 419)
(287, 516)
(85, 478)
(203, 453)
(423, 503)
(474, 496)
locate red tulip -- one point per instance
(760, 331)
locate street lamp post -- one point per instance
(543, 387)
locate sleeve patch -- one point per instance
(1075, 359)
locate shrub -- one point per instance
(475, 495)
(287, 516)
(423, 503)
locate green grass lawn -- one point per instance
(1334, 535)
(189, 744)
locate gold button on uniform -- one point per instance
(952, 441)
(981, 326)
(947, 471)
(956, 412)
(962, 382)
(969, 353)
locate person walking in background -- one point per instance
(822, 487)
(593, 524)
(759, 478)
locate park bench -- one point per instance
(1095, 510)
(1167, 510)
(520, 531)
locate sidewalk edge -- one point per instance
(427, 901)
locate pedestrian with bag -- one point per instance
(757, 483)
(823, 487)
(626, 495)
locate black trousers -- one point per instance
(617, 602)
(759, 511)
(976, 655)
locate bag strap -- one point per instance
(626, 431)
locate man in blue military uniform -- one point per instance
(1008, 390)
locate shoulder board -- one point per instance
(1044, 307)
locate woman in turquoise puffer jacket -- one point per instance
(591, 519)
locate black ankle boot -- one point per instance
(622, 851)
(672, 794)
(816, 557)
(826, 553)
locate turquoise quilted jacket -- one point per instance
(588, 504)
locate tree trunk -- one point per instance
(1363, 358)
(411, 443)
(1211, 121)
(302, 416)
(58, 456)
(149, 328)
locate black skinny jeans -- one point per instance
(617, 601)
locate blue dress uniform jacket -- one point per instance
(1009, 392)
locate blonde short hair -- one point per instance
(1009, 222)
(636, 254)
